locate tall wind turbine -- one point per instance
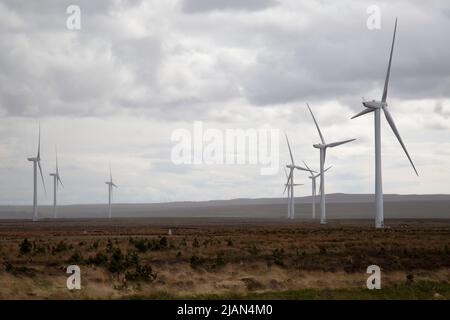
(376, 107)
(313, 178)
(287, 186)
(323, 150)
(56, 180)
(110, 184)
(290, 182)
(37, 163)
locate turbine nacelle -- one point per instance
(374, 104)
(319, 146)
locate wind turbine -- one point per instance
(376, 107)
(290, 182)
(313, 178)
(323, 150)
(56, 179)
(110, 184)
(287, 187)
(37, 163)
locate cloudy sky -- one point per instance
(114, 91)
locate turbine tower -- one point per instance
(313, 178)
(323, 150)
(290, 182)
(110, 184)
(37, 163)
(376, 107)
(287, 186)
(56, 180)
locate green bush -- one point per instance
(60, 247)
(195, 243)
(99, 259)
(117, 264)
(75, 258)
(278, 255)
(195, 262)
(220, 260)
(25, 246)
(141, 273)
(143, 245)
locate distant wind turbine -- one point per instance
(287, 186)
(376, 107)
(313, 178)
(37, 163)
(290, 181)
(110, 184)
(323, 150)
(56, 180)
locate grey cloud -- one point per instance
(200, 6)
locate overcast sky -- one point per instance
(114, 91)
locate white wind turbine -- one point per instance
(323, 150)
(290, 181)
(313, 178)
(37, 163)
(376, 107)
(110, 184)
(56, 180)
(288, 187)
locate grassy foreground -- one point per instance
(423, 290)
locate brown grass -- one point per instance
(231, 256)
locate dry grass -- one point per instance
(212, 256)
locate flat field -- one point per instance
(206, 258)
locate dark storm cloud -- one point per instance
(199, 6)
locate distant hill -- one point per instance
(342, 206)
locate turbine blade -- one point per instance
(285, 188)
(386, 82)
(318, 175)
(301, 168)
(59, 179)
(56, 152)
(391, 122)
(367, 110)
(307, 167)
(287, 182)
(317, 125)
(42, 177)
(290, 151)
(39, 143)
(285, 172)
(335, 144)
